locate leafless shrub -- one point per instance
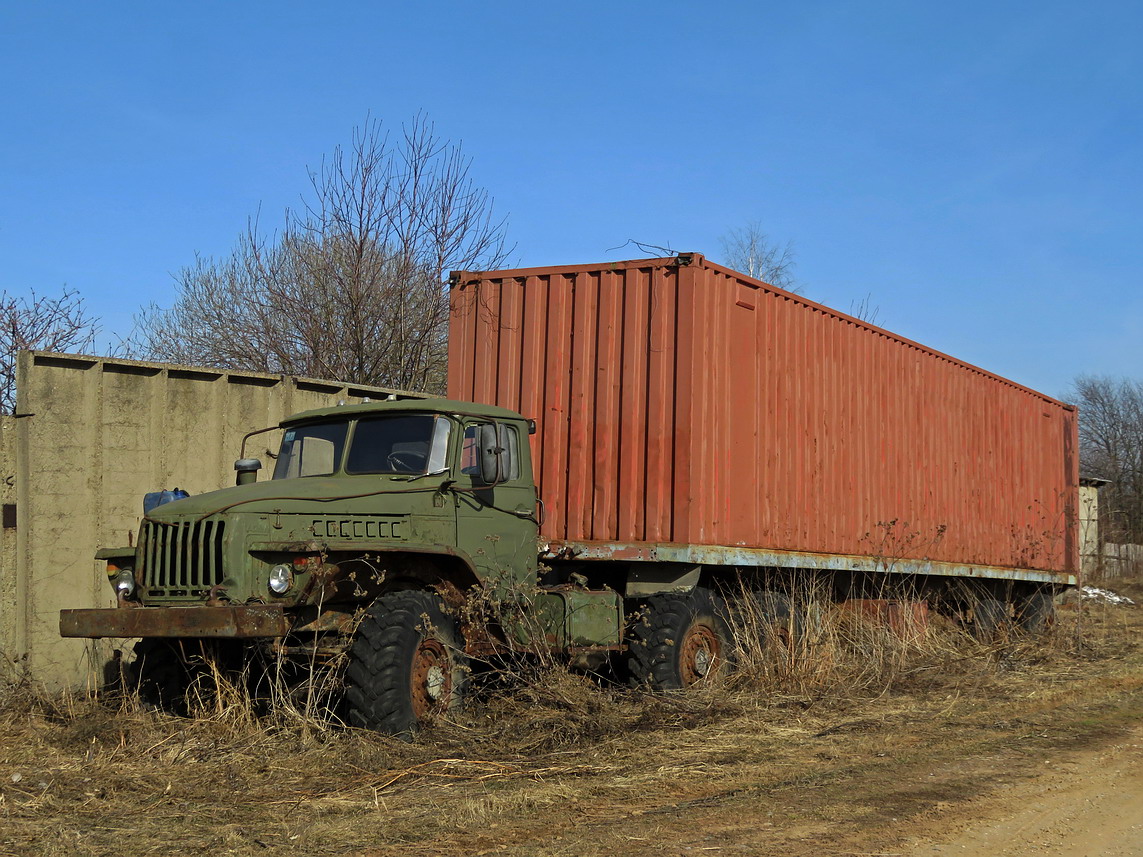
(353, 287)
(864, 309)
(40, 323)
(886, 640)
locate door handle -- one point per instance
(536, 514)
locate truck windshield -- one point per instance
(392, 444)
(405, 443)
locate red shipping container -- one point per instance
(680, 402)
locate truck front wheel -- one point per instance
(678, 640)
(406, 664)
(159, 675)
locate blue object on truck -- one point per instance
(158, 498)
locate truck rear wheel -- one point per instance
(778, 624)
(679, 640)
(406, 664)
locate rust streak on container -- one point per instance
(532, 380)
(608, 378)
(633, 405)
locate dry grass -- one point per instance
(560, 763)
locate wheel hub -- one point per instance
(430, 679)
(435, 683)
(702, 662)
(699, 654)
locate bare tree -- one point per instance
(1111, 447)
(353, 287)
(751, 251)
(40, 323)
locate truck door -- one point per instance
(495, 520)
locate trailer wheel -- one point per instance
(1035, 609)
(406, 664)
(679, 640)
(989, 618)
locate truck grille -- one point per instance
(182, 558)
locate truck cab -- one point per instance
(372, 510)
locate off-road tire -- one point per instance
(1035, 609)
(679, 640)
(780, 625)
(406, 664)
(159, 675)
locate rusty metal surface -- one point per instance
(253, 621)
(907, 619)
(760, 558)
(686, 403)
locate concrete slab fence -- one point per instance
(90, 437)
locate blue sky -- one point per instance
(974, 167)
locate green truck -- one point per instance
(379, 523)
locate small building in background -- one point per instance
(1091, 550)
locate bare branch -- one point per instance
(40, 323)
(644, 247)
(864, 309)
(353, 288)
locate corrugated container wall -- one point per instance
(680, 401)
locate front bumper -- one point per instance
(223, 622)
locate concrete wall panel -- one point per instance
(91, 437)
(7, 546)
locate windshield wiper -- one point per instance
(423, 475)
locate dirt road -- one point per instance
(1004, 801)
(1086, 804)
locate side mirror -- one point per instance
(247, 470)
(492, 464)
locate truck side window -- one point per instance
(469, 458)
(470, 452)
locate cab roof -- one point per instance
(403, 406)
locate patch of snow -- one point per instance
(1104, 596)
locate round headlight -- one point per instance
(125, 582)
(281, 579)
